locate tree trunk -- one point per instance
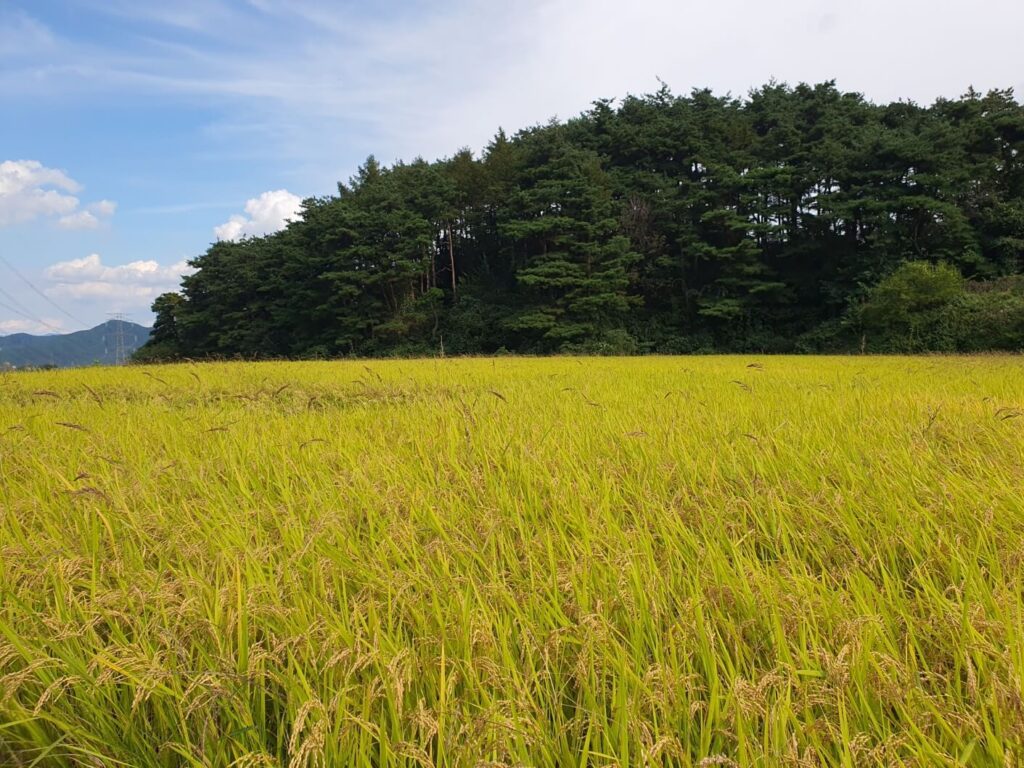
(451, 257)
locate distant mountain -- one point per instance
(95, 346)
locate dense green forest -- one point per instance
(796, 219)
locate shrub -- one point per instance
(904, 312)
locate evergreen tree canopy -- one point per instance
(662, 223)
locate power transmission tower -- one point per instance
(118, 320)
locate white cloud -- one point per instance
(325, 82)
(134, 284)
(89, 218)
(103, 207)
(29, 190)
(48, 325)
(313, 86)
(79, 220)
(263, 215)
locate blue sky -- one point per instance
(134, 133)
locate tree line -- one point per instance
(796, 219)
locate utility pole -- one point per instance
(118, 319)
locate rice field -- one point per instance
(725, 561)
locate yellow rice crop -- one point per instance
(561, 562)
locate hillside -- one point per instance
(94, 346)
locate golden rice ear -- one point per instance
(820, 568)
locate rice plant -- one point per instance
(514, 562)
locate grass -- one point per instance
(565, 562)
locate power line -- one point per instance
(14, 300)
(42, 295)
(29, 317)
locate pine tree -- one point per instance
(574, 268)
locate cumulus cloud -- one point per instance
(29, 190)
(135, 283)
(263, 215)
(48, 325)
(79, 220)
(103, 208)
(89, 217)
